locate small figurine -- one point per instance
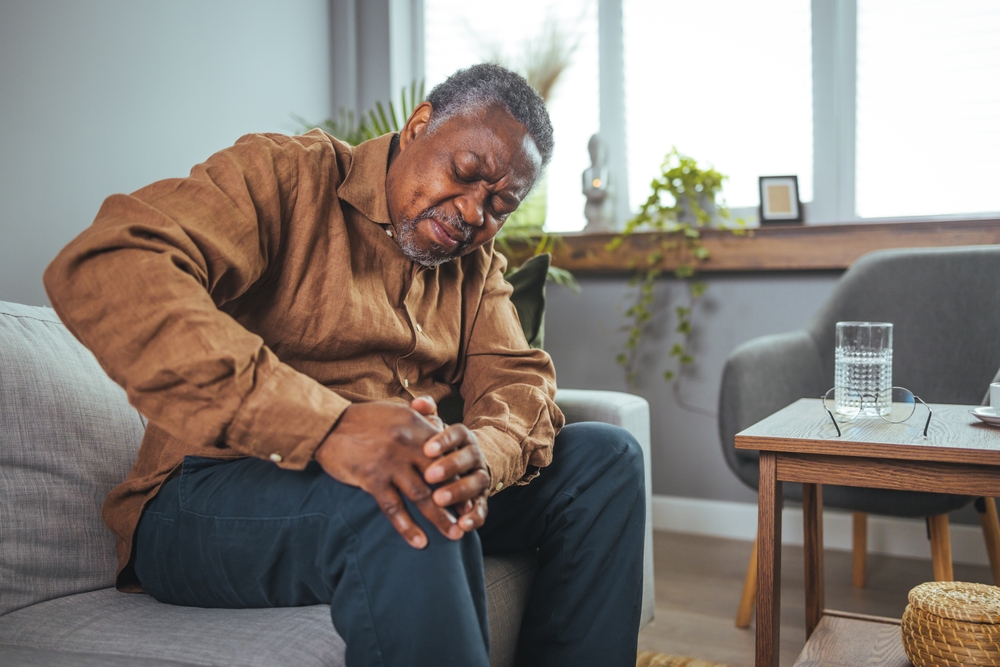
(600, 207)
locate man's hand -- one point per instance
(426, 406)
(379, 447)
(462, 466)
(471, 509)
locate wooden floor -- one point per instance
(698, 583)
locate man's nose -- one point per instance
(471, 209)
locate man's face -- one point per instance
(451, 189)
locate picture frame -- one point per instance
(779, 200)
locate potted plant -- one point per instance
(684, 198)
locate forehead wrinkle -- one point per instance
(488, 162)
(496, 158)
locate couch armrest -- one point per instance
(632, 414)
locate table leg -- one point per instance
(768, 562)
(812, 520)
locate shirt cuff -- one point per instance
(504, 459)
(286, 416)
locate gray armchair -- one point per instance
(945, 308)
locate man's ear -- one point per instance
(416, 124)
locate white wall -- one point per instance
(105, 96)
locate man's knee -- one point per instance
(607, 447)
(605, 441)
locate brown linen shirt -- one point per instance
(243, 308)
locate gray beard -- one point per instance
(436, 254)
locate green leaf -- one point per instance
(684, 271)
(395, 123)
(668, 375)
(384, 127)
(697, 289)
(682, 311)
(564, 278)
(701, 252)
(684, 327)
(676, 350)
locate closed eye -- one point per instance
(464, 176)
(502, 207)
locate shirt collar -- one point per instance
(364, 186)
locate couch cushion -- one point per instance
(508, 583)
(122, 624)
(107, 622)
(67, 436)
(15, 656)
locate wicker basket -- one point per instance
(952, 623)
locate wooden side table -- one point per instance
(799, 444)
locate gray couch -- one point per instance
(67, 436)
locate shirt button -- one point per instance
(499, 485)
(406, 383)
(276, 457)
(389, 232)
(419, 329)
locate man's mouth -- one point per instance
(444, 234)
(442, 237)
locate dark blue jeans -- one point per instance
(246, 533)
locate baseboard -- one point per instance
(886, 535)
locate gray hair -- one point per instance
(481, 86)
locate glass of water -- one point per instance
(863, 367)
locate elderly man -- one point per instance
(286, 317)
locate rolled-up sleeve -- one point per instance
(142, 288)
(509, 389)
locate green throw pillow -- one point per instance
(528, 298)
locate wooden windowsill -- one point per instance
(773, 248)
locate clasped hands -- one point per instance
(388, 449)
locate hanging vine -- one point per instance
(684, 198)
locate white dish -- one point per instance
(986, 415)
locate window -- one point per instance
(882, 108)
(928, 107)
(728, 83)
(458, 33)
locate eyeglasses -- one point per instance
(894, 405)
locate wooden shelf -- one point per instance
(776, 248)
(851, 640)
